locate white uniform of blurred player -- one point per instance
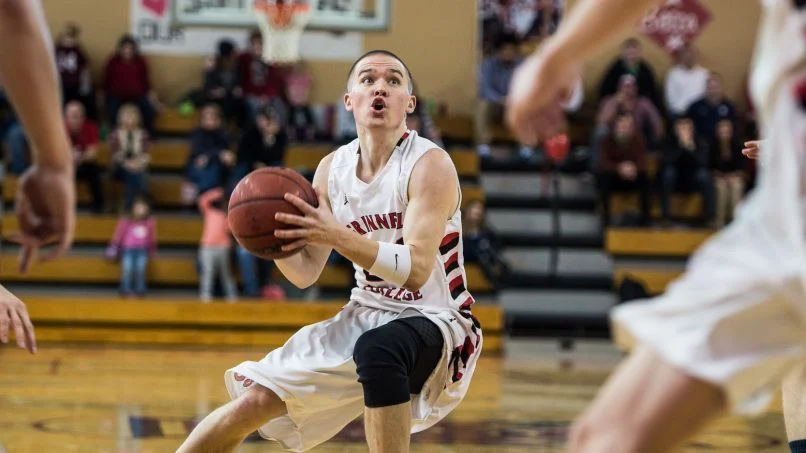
(725, 334)
(404, 349)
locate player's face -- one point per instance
(379, 93)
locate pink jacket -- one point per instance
(216, 228)
(136, 234)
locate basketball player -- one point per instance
(404, 349)
(723, 336)
(45, 200)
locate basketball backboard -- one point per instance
(337, 15)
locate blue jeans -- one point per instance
(699, 181)
(207, 177)
(133, 265)
(134, 184)
(248, 267)
(18, 147)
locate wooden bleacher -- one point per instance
(649, 242)
(683, 206)
(188, 322)
(655, 280)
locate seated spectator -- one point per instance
(222, 84)
(74, 70)
(685, 82)
(344, 125)
(134, 242)
(623, 166)
(126, 80)
(727, 165)
(647, 120)
(685, 169)
(496, 75)
(545, 21)
(214, 252)
(481, 245)
(301, 123)
(631, 62)
(12, 135)
(128, 146)
(420, 120)
(209, 151)
(262, 145)
(84, 138)
(262, 84)
(715, 106)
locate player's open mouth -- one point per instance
(378, 105)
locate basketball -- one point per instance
(255, 201)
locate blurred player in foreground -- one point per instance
(45, 199)
(725, 334)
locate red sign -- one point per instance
(675, 23)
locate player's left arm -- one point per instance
(433, 197)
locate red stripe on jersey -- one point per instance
(448, 238)
(467, 303)
(452, 259)
(455, 282)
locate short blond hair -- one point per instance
(130, 108)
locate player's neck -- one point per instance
(377, 146)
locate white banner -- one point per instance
(151, 23)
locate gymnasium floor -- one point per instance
(135, 399)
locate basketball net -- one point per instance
(281, 25)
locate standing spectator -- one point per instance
(623, 166)
(84, 138)
(129, 145)
(481, 245)
(631, 62)
(135, 241)
(685, 82)
(262, 145)
(126, 80)
(301, 123)
(214, 253)
(685, 169)
(74, 69)
(727, 165)
(209, 151)
(647, 120)
(494, 80)
(222, 84)
(262, 84)
(712, 108)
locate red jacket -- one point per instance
(126, 80)
(258, 78)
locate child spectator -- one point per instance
(84, 139)
(128, 145)
(126, 80)
(727, 165)
(222, 83)
(262, 145)
(214, 253)
(209, 151)
(481, 245)
(74, 69)
(134, 242)
(301, 123)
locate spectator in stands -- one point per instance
(685, 169)
(545, 21)
(623, 166)
(631, 62)
(712, 108)
(647, 120)
(345, 129)
(222, 83)
(262, 145)
(126, 80)
(128, 146)
(134, 241)
(420, 120)
(481, 245)
(262, 84)
(727, 165)
(84, 138)
(210, 153)
(214, 252)
(494, 80)
(301, 123)
(685, 82)
(74, 69)
(12, 135)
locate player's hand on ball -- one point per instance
(46, 212)
(316, 226)
(539, 87)
(752, 149)
(14, 317)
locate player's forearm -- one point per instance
(356, 248)
(593, 23)
(304, 268)
(31, 81)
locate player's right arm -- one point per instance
(45, 201)
(304, 268)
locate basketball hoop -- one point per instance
(281, 24)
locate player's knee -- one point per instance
(380, 371)
(257, 406)
(589, 435)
